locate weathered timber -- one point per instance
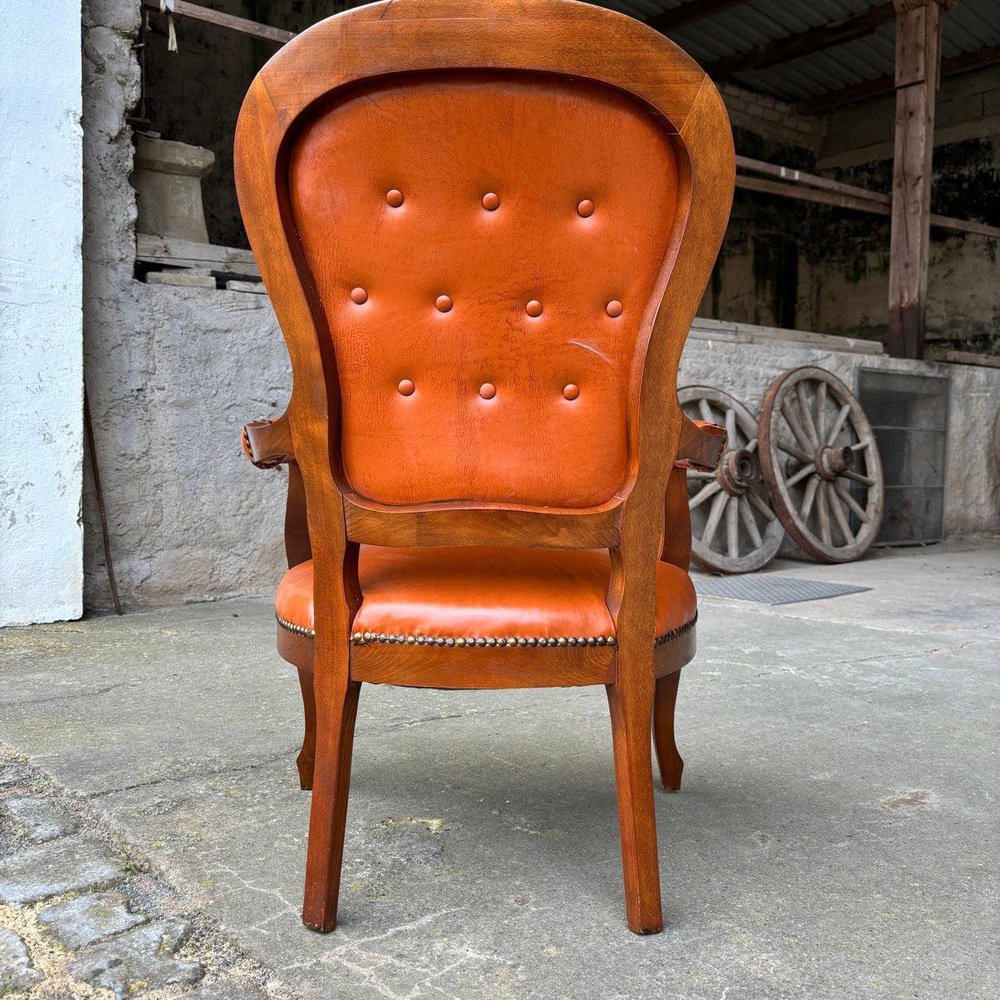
(810, 180)
(861, 203)
(247, 27)
(690, 13)
(858, 199)
(918, 49)
(184, 253)
(792, 47)
(962, 358)
(964, 63)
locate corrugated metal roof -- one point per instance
(971, 25)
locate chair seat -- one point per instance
(486, 596)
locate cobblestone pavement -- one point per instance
(80, 917)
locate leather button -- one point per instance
(405, 387)
(491, 201)
(613, 309)
(487, 390)
(359, 296)
(444, 303)
(533, 308)
(585, 209)
(394, 198)
(571, 391)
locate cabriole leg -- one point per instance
(305, 761)
(631, 712)
(670, 761)
(337, 712)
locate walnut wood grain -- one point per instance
(441, 524)
(483, 668)
(670, 761)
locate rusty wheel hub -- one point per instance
(833, 462)
(738, 471)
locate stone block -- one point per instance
(167, 179)
(255, 287)
(72, 864)
(139, 959)
(180, 279)
(17, 975)
(40, 819)
(85, 920)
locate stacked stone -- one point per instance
(72, 884)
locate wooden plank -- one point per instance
(182, 8)
(691, 12)
(747, 333)
(185, 253)
(911, 65)
(811, 180)
(962, 358)
(918, 40)
(814, 40)
(837, 199)
(856, 198)
(962, 226)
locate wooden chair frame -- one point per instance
(644, 521)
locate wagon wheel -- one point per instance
(732, 498)
(821, 464)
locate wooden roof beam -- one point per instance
(689, 13)
(814, 40)
(962, 63)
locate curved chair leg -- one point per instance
(329, 808)
(670, 761)
(305, 761)
(631, 712)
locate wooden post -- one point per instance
(918, 59)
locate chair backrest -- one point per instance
(485, 228)
(484, 245)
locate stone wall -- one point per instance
(172, 375)
(41, 356)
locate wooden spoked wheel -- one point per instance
(733, 528)
(821, 464)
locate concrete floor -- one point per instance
(837, 835)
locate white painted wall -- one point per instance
(41, 325)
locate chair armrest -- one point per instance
(268, 443)
(701, 446)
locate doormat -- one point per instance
(763, 588)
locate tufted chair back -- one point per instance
(484, 246)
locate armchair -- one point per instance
(485, 230)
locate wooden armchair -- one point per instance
(485, 229)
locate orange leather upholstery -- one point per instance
(485, 593)
(483, 281)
